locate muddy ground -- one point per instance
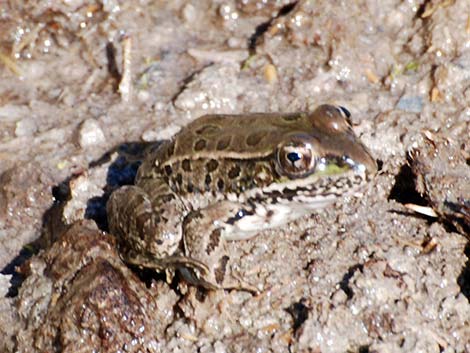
(86, 86)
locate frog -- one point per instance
(225, 178)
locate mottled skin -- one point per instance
(226, 177)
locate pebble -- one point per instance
(90, 133)
(413, 104)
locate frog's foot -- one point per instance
(204, 241)
(233, 281)
(149, 261)
(208, 281)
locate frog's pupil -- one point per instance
(293, 157)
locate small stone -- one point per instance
(25, 127)
(189, 13)
(90, 133)
(4, 284)
(143, 95)
(270, 73)
(413, 104)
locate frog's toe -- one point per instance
(218, 278)
(233, 281)
(196, 278)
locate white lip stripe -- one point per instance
(296, 183)
(269, 214)
(338, 186)
(281, 214)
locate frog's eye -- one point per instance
(296, 158)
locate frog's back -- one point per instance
(231, 156)
(235, 136)
(221, 153)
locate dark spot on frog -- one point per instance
(208, 130)
(234, 172)
(275, 193)
(200, 145)
(313, 188)
(255, 138)
(192, 216)
(219, 272)
(263, 175)
(190, 187)
(208, 180)
(141, 222)
(220, 184)
(179, 179)
(357, 179)
(223, 143)
(168, 170)
(214, 240)
(270, 213)
(170, 149)
(291, 117)
(186, 165)
(167, 198)
(339, 184)
(212, 165)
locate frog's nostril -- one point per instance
(345, 111)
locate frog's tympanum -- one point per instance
(228, 177)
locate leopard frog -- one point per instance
(228, 177)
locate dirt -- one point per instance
(368, 275)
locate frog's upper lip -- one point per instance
(360, 160)
(368, 165)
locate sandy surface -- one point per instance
(368, 275)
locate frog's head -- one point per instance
(323, 162)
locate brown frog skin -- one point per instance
(228, 177)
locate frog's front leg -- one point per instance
(206, 232)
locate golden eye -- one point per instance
(296, 158)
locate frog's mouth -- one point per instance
(280, 203)
(329, 182)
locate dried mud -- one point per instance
(86, 86)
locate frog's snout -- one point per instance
(366, 163)
(360, 160)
